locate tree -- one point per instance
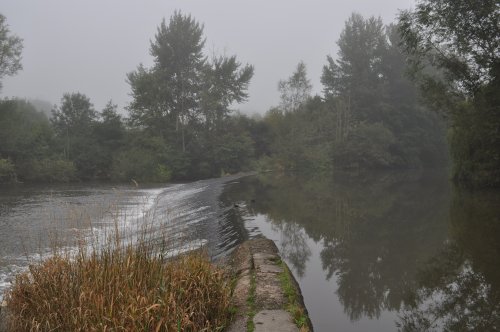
(27, 145)
(453, 49)
(355, 79)
(10, 51)
(185, 99)
(170, 91)
(25, 133)
(461, 38)
(356, 72)
(75, 115)
(296, 90)
(74, 122)
(379, 121)
(109, 133)
(225, 82)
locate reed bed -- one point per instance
(120, 287)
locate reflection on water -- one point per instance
(459, 288)
(382, 252)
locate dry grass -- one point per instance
(120, 288)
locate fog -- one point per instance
(89, 46)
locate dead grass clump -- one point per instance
(119, 289)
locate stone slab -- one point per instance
(274, 321)
(268, 268)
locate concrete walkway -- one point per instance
(258, 294)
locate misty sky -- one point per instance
(88, 46)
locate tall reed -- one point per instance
(121, 286)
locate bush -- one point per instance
(119, 289)
(50, 170)
(367, 146)
(140, 165)
(7, 170)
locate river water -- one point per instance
(371, 252)
(35, 220)
(382, 251)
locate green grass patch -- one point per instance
(251, 303)
(293, 307)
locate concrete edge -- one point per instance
(260, 257)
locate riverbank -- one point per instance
(266, 296)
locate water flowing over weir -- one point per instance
(191, 215)
(180, 217)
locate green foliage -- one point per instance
(459, 37)
(7, 170)
(88, 138)
(368, 146)
(224, 84)
(24, 132)
(475, 140)
(166, 97)
(110, 134)
(452, 49)
(252, 310)
(50, 170)
(10, 51)
(379, 121)
(356, 72)
(73, 124)
(293, 306)
(185, 99)
(301, 139)
(370, 117)
(75, 116)
(28, 140)
(295, 90)
(144, 160)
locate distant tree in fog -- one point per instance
(295, 90)
(10, 51)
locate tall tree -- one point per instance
(379, 122)
(10, 51)
(295, 90)
(356, 73)
(174, 83)
(75, 115)
(453, 49)
(74, 122)
(225, 82)
(460, 37)
(185, 98)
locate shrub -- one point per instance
(7, 170)
(50, 170)
(119, 288)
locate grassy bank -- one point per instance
(119, 288)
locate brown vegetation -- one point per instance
(119, 288)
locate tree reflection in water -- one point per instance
(293, 246)
(459, 289)
(395, 242)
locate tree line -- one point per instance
(181, 123)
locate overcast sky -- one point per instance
(88, 46)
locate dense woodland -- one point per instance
(395, 96)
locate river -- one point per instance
(382, 251)
(35, 220)
(371, 252)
